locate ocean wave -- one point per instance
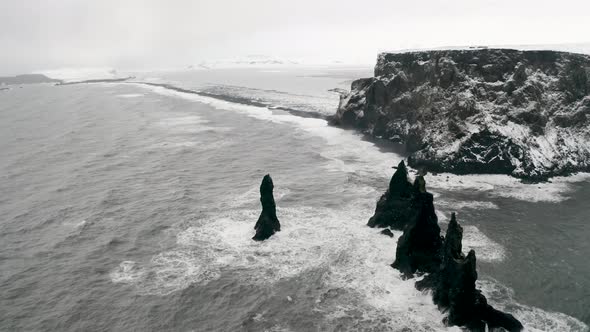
(347, 152)
(251, 197)
(533, 319)
(166, 273)
(353, 260)
(457, 205)
(130, 95)
(558, 190)
(350, 153)
(182, 121)
(127, 272)
(486, 249)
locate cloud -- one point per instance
(132, 34)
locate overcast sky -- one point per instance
(134, 34)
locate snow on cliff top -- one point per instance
(244, 62)
(263, 61)
(583, 48)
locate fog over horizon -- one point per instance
(136, 35)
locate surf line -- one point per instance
(232, 99)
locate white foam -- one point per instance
(354, 259)
(508, 187)
(127, 272)
(75, 224)
(251, 197)
(130, 95)
(180, 143)
(177, 128)
(457, 205)
(533, 319)
(79, 74)
(166, 272)
(486, 249)
(347, 152)
(181, 121)
(181, 130)
(177, 269)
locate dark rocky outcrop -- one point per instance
(523, 113)
(419, 248)
(453, 286)
(450, 274)
(394, 207)
(27, 79)
(100, 80)
(267, 223)
(387, 232)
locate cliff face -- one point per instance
(523, 113)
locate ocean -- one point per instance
(131, 207)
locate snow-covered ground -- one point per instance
(81, 74)
(583, 48)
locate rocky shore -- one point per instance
(502, 111)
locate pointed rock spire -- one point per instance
(267, 223)
(453, 238)
(399, 184)
(420, 184)
(394, 207)
(454, 288)
(419, 248)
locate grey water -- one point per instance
(131, 207)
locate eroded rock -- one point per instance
(419, 248)
(394, 208)
(387, 232)
(267, 223)
(454, 290)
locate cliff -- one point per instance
(523, 113)
(27, 79)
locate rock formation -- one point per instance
(395, 206)
(267, 223)
(100, 80)
(523, 113)
(419, 248)
(27, 79)
(387, 232)
(453, 286)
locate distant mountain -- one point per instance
(245, 62)
(82, 74)
(26, 79)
